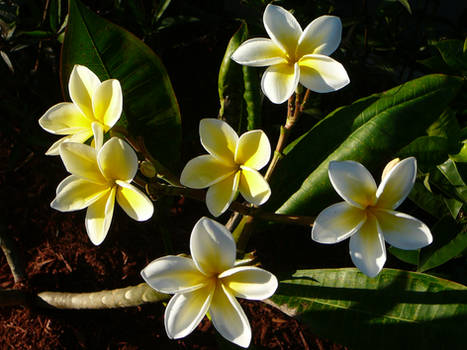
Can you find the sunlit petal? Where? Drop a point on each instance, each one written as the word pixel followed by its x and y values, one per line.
pixel 79 137
pixel 229 318
pixel 397 184
pixel 322 74
pixel 81 86
pixel 403 231
pixel 80 160
pixel 212 247
pixel 280 81
pixel 321 36
pixel 76 193
pixel 64 119
pixel 353 182
pixel 204 171
pixel 98 132
pixel 367 248
pixel 220 195
pixel 249 282
pixel 117 160
pixel 258 52
pixel 337 222
pixel 253 187
pixel 282 27
pixel 99 217
pixel 185 311
pixel 253 149
pixel 107 102
pixel 134 202
pixel 218 138
pixel 173 274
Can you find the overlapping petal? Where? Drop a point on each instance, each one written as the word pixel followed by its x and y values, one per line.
pixel 280 81
pixel 81 160
pixel 220 195
pixel 82 85
pixel 134 202
pixel 99 217
pixel 322 74
pixel 107 102
pixel 249 282
pixel 282 27
pixel 204 171
pixel 117 160
pixel 253 149
pixel 78 137
pixel 64 119
pixel 337 222
pixel 218 138
pixel 258 52
pixel 321 36
pixel 253 187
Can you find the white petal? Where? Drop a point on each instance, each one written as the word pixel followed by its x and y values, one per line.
pixel 173 274
pixel 229 318
pixel 258 52
pixel 134 202
pixel 249 282
pixel 79 137
pixel 397 184
pixel 81 86
pixel 107 102
pixel 322 74
pixel 218 138
pixel 367 248
pixel 280 81
pixel 337 222
pixel 64 119
pixel 204 171
pixel 98 132
pixel 117 160
pixel 353 182
pixel 99 217
pixel 65 182
pixel 212 247
pixel 253 187
pixel 321 36
pixel 253 149
pixel 220 195
pixel 282 28
pixel 185 311
pixel 403 231
pixel 80 160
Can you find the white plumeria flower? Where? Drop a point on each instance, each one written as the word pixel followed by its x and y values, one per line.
pixel 209 282
pixel 94 109
pixel 231 166
pixel 295 55
pixel 98 178
pixel 367 215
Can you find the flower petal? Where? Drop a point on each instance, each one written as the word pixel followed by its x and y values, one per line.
pixel 367 248
pixel 280 81
pixel 99 217
pixel 82 85
pixel 173 274
pixel 107 102
pixel 79 137
pixel 249 282
pixel 353 182
pixel 258 52
pixel 282 28
pixel 77 193
pixel 337 222
pixel 229 318
pixel 204 171
pixel 220 195
pixel 212 247
pixel 64 119
pixel 218 138
pixel 117 160
pixel 397 184
pixel 185 311
pixel 98 132
pixel 403 231
pixel 80 160
pixel 322 74
pixel 321 36
pixel 134 202
pixel 253 187
pixel 253 149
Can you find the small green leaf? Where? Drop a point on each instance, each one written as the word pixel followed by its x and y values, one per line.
pixel 406 4
pixel 252 97
pixel 407 256
pixel 452 52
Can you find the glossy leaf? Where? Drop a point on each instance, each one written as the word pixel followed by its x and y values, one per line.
pixel 252 97
pixel 149 104
pixel 429 151
pixel 430 202
pixel 395 310
pixel 407 256
pixel 452 52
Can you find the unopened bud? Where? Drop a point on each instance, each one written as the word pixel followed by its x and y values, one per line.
pixel 147 169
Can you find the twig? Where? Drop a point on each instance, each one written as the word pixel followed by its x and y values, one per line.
pixel 10 250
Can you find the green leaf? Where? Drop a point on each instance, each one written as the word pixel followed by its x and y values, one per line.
pixel 447 126
pixel 407 256
pixel 452 52
pixel 395 310
pixel 406 4
pixel 429 151
pixel 149 104
pixel 428 201
pixel 372 135
pixel 252 97
pixel 449 241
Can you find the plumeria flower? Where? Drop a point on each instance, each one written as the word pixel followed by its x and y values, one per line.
pixel 98 177
pixel 367 214
pixel 94 109
pixel 231 166
pixel 208 282
pixel 295 55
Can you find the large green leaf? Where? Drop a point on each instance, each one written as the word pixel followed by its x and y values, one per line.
pixel 371 135
pixel 149 104
pixel 395 310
